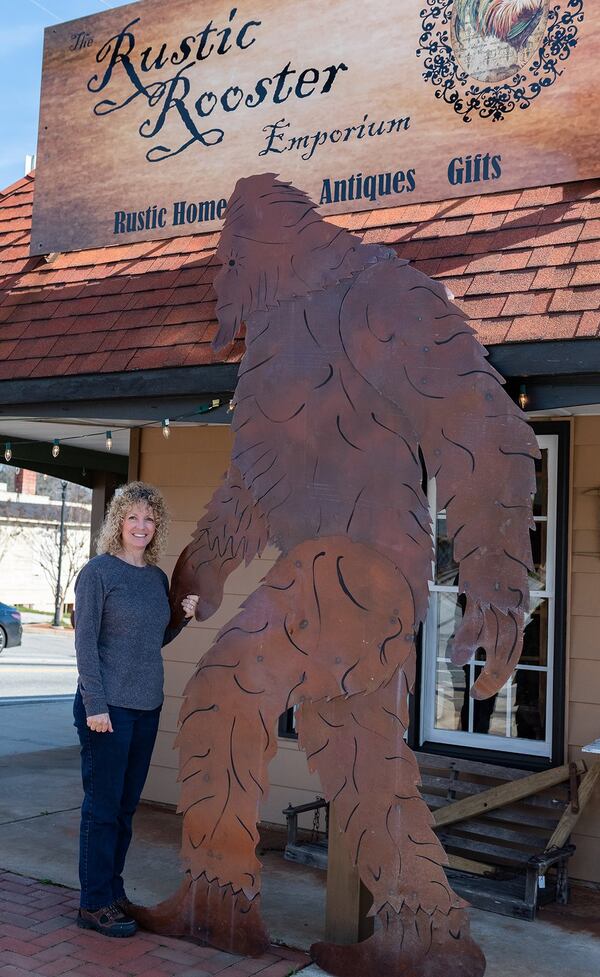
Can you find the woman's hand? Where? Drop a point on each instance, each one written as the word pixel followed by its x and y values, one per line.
pixel 100 723
pixel 189 604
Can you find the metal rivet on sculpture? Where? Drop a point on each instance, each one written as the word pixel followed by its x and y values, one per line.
pixel 358 370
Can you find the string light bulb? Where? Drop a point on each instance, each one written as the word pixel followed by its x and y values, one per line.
pixel 108 440
pixel 166 428
pixel 7 451
pixel 523 398
pixel 56 448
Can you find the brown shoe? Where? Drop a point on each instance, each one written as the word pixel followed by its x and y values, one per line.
pixel 110 921
pixel 124 905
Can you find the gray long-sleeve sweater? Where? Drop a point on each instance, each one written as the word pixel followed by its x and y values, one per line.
pixel 121 622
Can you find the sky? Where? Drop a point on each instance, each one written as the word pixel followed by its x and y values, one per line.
pixel 22 24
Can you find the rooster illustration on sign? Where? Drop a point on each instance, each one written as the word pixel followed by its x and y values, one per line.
pixel 511 21
pixel 495 38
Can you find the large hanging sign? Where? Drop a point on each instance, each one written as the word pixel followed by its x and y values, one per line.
pixel 150 112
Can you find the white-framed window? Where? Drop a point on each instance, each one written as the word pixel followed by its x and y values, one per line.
pixel 519 718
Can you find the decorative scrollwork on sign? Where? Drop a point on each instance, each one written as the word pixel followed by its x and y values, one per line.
pixel 493 100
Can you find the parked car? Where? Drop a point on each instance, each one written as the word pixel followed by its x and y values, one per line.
pixel 11 629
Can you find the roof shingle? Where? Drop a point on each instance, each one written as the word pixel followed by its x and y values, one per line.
pixel 524 265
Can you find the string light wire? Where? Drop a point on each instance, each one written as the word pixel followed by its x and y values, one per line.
pixel 165 424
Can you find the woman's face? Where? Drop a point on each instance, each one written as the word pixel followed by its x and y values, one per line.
pixel 139 526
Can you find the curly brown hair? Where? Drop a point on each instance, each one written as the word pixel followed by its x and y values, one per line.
pixel 109 538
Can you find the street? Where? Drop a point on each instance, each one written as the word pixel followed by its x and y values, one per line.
pixel 44 664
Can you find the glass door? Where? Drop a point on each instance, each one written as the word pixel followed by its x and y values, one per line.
pixel 517 719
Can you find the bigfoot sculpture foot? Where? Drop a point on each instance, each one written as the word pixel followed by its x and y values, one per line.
pixel 408 945
pixel 209 913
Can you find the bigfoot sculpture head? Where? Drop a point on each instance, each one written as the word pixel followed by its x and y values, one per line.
pixel 274 246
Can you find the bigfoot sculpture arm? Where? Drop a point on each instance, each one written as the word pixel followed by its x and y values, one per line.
pixel 417 350
pixel 233 529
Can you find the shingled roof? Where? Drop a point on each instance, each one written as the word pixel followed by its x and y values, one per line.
pixel 523 265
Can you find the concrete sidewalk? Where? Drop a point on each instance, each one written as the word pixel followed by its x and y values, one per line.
pixel 40 799
pixel 40 796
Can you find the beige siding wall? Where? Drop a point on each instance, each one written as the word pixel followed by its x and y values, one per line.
pixel 583 723
pixel 187 468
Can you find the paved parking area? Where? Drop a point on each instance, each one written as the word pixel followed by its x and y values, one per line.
pixel 43 665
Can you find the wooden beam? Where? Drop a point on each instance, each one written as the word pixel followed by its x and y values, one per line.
pixel 124 411
pixel 348 901
pixel 569 819
pixel 531 359
pixel 104 485
pixel 148 384
pixel 496 797
pixel 468 865
pixel 135 447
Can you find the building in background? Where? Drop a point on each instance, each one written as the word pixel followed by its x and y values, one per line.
pixel 29 541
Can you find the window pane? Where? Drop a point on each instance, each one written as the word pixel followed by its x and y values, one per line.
pixel 525 699
pixel 535 636
pixel 528 705
pixel 450 696
pixel 540 501
pixel 489 715
pixel 449 616
pixel 454 709
pixel 537 579
pixel 446 570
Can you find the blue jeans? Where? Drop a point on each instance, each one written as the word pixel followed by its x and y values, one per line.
pixel 114 767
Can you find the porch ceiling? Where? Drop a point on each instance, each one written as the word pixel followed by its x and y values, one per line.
pixel 89 433
pixel 584 410
pixel 31 445
pixel 78 433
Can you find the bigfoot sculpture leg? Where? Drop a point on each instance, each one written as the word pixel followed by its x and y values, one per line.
pixel 227 737
pixel 315 627
pixel 332 626
pixel 357 746
pixel 225 712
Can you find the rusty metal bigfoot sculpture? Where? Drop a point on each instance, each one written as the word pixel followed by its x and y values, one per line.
pixel 359 373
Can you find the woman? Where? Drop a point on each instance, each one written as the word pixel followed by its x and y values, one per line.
pixel 121 622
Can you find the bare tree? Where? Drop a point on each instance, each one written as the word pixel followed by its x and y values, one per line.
pixel 8 534
pixel 75 554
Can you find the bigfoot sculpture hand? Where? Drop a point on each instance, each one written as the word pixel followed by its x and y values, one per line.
pixel 358 372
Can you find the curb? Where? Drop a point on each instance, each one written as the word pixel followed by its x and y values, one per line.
pixel 46 663
pixel 31 700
